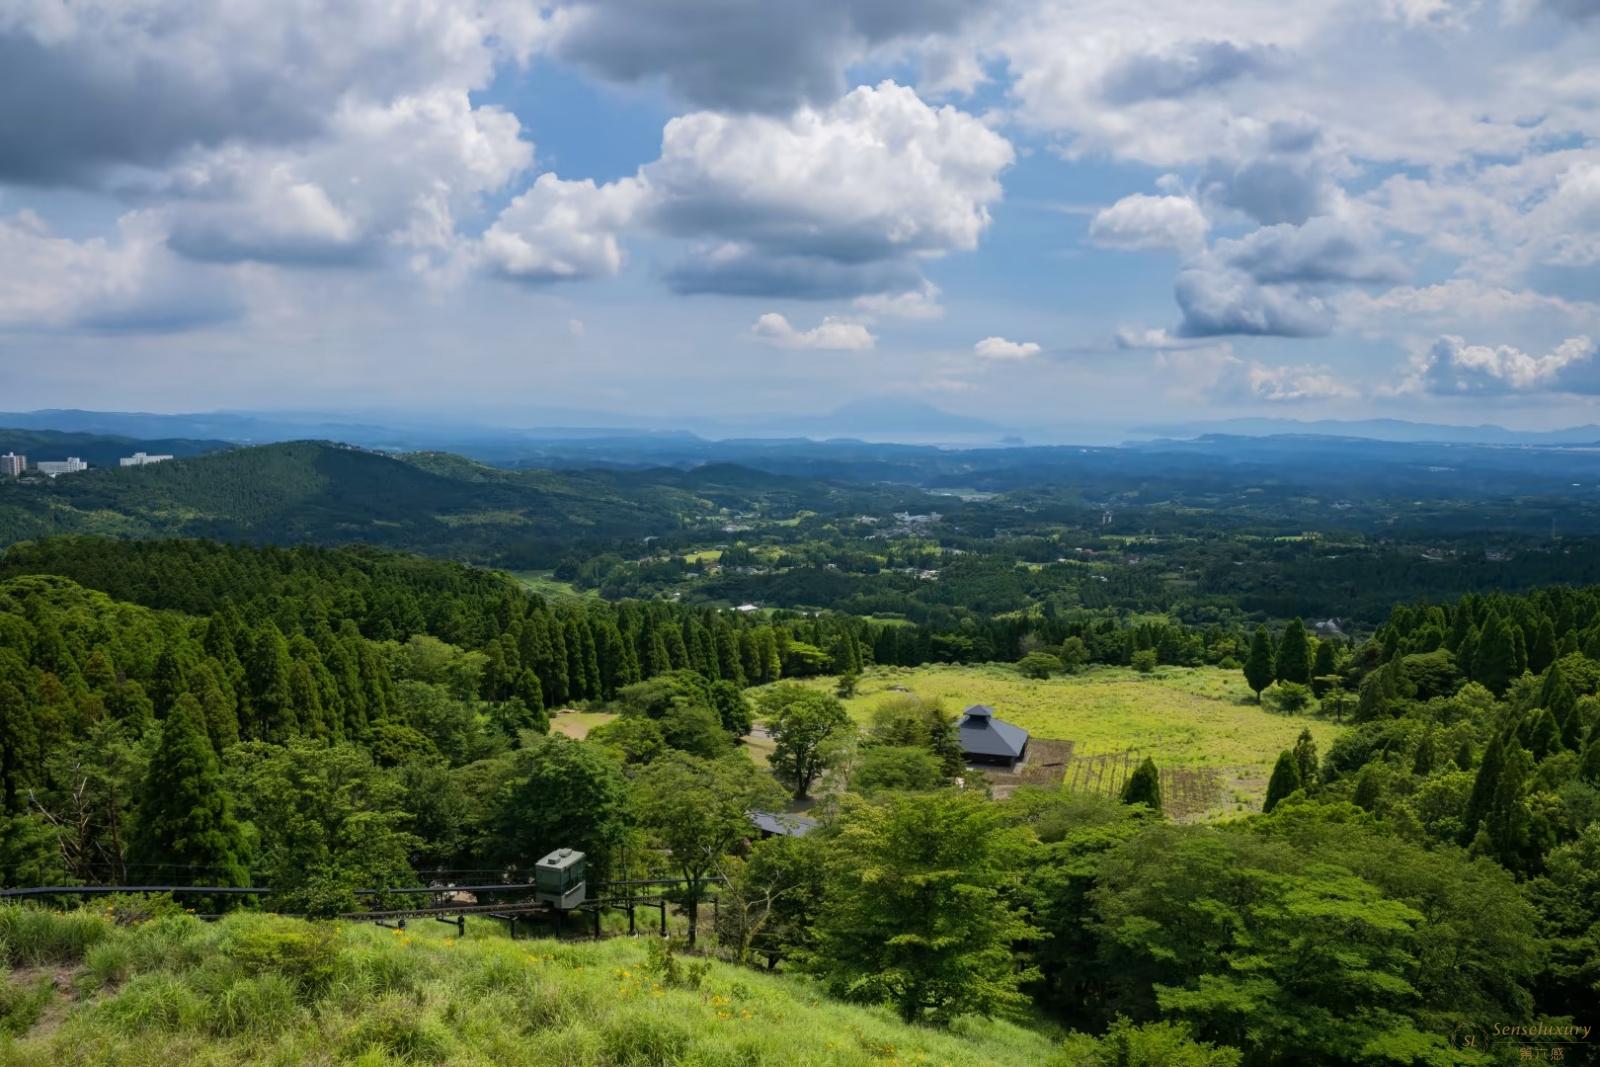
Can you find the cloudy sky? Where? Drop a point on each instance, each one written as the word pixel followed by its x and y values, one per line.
pixel 1038 211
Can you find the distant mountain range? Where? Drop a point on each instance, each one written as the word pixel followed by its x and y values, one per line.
pixel 877 419
pixel 1394 430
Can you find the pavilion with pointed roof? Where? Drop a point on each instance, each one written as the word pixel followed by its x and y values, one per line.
pixel 991 741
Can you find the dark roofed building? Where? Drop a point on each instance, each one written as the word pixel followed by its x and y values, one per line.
pixel 782 824
pixel 988 740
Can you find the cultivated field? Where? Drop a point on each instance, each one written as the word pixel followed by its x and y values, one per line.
pixel 1203 722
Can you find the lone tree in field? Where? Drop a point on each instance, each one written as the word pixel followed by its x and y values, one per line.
pixel 1258 665
pixel 1038 665
pixel 916 912
pixel 1144 786
pixel 807 727
pixel 1294 655
pixel 186 819
pixel 1285 780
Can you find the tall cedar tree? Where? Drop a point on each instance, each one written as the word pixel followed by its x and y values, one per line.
pixel 1285 780
pixel 1258 665
pixel 1487 782
pixel 1494 663
pixel 1324 668
pixel 1144 786
pixel 1293 663
pixel 1305 758
pixel 186 829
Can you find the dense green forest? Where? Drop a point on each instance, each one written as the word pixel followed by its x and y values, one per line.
pixel 321 720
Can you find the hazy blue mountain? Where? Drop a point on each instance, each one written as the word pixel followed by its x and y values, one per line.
pixel 1399 430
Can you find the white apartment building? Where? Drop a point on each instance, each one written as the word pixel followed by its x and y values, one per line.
pixel 141 459
pixel 12 464
pixel 53 467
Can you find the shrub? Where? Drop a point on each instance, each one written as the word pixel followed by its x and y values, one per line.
pixel 109 962
pixel 262 1006
pixel 304 953
pixel 646 1039
pixel 663 964
pixel 155 1002
pixel 395 1026
pixel 169 942
pixel 1039 665
pixel 1144 660
pixel 21 1004
pixel 31 936
pixel 1291 697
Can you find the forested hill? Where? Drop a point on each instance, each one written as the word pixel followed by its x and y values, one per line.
pixel 318 492
pixel 98 450
pixel 431 502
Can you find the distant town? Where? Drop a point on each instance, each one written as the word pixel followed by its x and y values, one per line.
pixel 14 466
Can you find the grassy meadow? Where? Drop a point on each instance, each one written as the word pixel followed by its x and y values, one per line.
pixel 1201 717
pixel 254 989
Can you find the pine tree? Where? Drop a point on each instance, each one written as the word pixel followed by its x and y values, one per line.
pixel 1494 661
pixel 1507 822
pixel 1293 662
pixel 1426 757
pixel 1484 786
pixel 1539 733
pixel 1144 786
pixel 1542 650
pixel 1369 788
pixel 1589 767
pixel 1258 665
pixel 1285 780
pixel 186 823
pixel 1305 758
pixel 1324 668
pixel 267 676
pixel 528 689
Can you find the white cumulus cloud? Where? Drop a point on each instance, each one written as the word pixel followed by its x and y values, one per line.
pixel 561 231
pixel 1452 367
pixel 831 334
pixel 1001 349
pixel 1140 223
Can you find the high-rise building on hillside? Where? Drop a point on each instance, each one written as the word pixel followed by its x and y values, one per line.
pixel 141 459
pixel 53 467
pixel 12 464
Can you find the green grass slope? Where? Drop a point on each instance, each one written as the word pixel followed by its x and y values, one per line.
pixel 256 989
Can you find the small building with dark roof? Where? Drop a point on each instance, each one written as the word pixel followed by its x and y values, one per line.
pixel 782 824
pixel 991 741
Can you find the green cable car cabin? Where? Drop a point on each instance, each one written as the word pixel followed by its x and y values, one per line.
pixel 558 879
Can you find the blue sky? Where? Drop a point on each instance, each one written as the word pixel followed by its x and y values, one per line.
pixel 1041 212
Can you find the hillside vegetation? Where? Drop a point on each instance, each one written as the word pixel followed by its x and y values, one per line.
pixel 256 989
